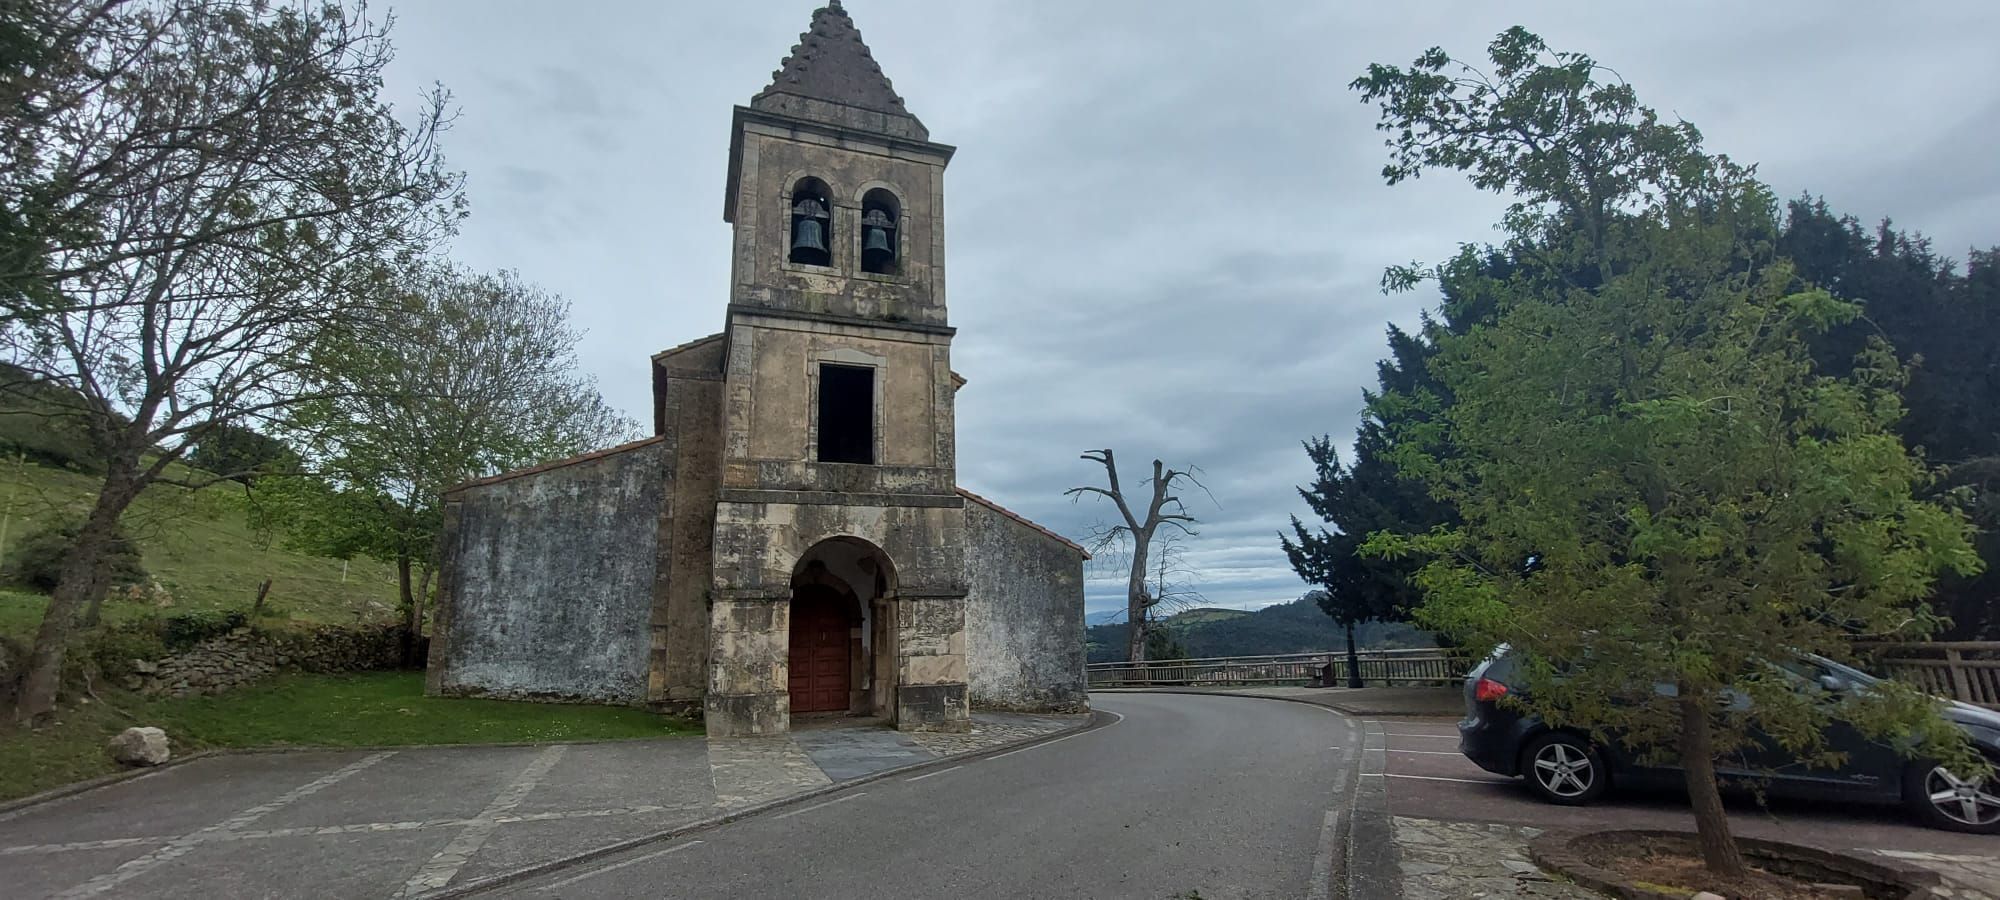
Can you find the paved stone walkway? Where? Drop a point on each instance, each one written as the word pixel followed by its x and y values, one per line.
pixel 1456 860
pixel 406 823
pixel 1450 860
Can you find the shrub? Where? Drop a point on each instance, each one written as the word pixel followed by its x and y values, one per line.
pixel 112 650
pixel 37 560
pixel 187 629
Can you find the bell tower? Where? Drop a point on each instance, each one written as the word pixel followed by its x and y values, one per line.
pixel 837 421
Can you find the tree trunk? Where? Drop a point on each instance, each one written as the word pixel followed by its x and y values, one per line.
pixel 406 601
pixel 80 586
pixel 1711 822
pixel 1353 660
pixel 1135 602
pixel 263 591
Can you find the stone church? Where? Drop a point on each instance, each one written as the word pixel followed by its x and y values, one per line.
pixel 792 540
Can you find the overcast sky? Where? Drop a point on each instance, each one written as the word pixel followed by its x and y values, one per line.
pixel 1166 219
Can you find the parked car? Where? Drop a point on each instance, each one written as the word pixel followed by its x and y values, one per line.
pixel 1567 767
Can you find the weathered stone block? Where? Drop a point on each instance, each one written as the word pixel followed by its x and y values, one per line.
pixel 747 715
pixel 932 707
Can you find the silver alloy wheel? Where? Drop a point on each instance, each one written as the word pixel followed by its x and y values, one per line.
pixel 1963 800
pixel 1563 770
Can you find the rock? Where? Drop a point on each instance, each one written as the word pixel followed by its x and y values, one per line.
pixel 1842 890
pixel 1706 895
pixel 140 747
pixel 145 667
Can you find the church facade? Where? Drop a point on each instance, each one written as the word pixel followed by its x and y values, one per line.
pixel 792 541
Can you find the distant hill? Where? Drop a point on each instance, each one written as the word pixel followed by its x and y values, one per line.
pixel 1296 627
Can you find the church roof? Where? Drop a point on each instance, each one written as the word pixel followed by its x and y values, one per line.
pixel 982 501
pixel 831 65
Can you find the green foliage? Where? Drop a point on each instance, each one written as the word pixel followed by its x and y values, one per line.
pixel 1295 627
pixel 1655 483
pixel 40 422
pixel 36 561
pixel 240 453
pixel 201 554
pixel 185 630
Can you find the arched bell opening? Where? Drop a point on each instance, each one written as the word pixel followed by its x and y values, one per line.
pixel 881 217
pixel 812 223
pixel 842 658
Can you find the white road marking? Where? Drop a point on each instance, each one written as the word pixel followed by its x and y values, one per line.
pixel 936 773
pixel 180 846
pixel 1321 886
pixel 1435 737
pixel 799 812
pixel 615 866
pixel 443 867
pixel 351 828
pixel 1434 778
pixel 1424 752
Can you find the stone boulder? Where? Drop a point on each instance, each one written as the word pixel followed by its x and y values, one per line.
pixel 140 747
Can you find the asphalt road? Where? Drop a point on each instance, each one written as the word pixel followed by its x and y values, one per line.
pixel 1209 797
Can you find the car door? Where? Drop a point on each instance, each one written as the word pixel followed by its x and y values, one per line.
pixel 1867 766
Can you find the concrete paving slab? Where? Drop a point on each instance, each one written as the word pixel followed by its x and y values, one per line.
pixel 420 783
pixel 171 802
pixel 360 864
pixel 648 773
pixel 45 875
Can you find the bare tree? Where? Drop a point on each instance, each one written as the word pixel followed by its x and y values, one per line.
pixel 220 188
pixel 1164 508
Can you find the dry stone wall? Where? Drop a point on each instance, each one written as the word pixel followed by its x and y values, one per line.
pixel 246 655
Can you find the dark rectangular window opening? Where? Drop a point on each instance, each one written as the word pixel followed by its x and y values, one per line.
pixel 847 414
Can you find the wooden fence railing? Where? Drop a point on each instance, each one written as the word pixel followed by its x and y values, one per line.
pixel 1418 666
pixel 1961 670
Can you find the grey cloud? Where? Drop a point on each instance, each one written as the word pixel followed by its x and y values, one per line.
pixel 1166 217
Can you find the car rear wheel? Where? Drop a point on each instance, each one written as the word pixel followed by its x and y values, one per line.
pixel 1563 768
pixel 1941 799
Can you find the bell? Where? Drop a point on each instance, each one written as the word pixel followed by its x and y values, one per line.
pixel 876 240
pixel 808 234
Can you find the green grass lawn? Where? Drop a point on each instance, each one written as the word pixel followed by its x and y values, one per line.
pixel 200 548
pixel 374 709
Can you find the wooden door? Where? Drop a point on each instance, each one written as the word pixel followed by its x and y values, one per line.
pixel 819 651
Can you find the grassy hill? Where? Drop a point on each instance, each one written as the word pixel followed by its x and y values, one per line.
pixel 198 548
pixel 1296 627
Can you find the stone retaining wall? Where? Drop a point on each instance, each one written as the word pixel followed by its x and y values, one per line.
pixel 246 655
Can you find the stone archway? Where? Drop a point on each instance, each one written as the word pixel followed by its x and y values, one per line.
pixel 841 655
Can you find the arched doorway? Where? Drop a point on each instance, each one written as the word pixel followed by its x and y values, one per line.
pixel 841 659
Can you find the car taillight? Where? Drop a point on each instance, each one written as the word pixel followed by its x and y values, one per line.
pixel 1487 690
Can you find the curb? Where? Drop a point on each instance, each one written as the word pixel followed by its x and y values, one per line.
pixel 1097 719
pixel 1359 713
pixel 19 804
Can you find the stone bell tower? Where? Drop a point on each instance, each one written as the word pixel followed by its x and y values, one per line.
pixel 838 581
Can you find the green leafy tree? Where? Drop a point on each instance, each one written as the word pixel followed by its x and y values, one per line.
pixel 240 454
pixel 208 188
pixel 1656 485
pixel 480 375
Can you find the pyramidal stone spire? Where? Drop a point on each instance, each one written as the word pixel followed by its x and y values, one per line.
pixel 830 76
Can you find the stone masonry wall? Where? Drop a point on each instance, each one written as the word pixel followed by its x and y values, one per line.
pixel 549 578
pixel 247 655
pixel 1023 616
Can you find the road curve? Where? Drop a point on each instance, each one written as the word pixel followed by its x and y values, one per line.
pixel 1185 796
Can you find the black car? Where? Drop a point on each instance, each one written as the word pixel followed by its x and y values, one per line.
pixel 1567 767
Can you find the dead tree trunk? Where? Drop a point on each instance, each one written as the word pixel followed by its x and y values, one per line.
pixel 1163 509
